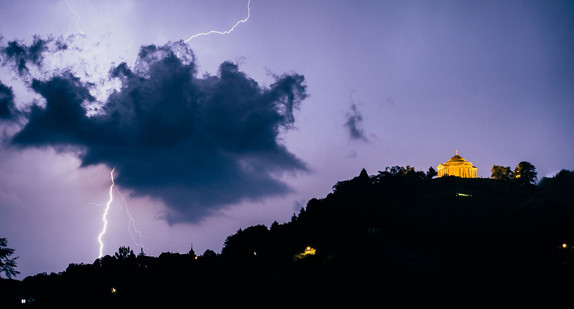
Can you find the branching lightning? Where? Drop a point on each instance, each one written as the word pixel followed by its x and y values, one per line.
pixel 132 229
pixel 105 215
pixel 131 223
pixel 227 31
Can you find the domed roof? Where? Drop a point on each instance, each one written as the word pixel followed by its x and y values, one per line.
pixel 457 158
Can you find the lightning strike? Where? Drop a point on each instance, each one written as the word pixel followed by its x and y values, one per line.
pixel 77 17
pixel 131 223
pixel 105 215
pixel 227 31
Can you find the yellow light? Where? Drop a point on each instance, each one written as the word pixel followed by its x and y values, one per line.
pixel 564 245
pixel 113 290
pixel 308 251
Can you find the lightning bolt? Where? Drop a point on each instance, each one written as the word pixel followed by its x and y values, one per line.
pixel 131 223
pixel 132 229
pixel 105 215
pixel 227 31
pixel 75 14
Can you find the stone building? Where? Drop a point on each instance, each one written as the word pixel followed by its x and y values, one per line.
pixel 457 166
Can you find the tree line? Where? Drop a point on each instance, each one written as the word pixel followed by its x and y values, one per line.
pixel 524 173
pixel 383 237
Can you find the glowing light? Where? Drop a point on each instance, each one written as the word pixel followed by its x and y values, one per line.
pixel 564 245
pixel 113 291
pixel 227 31
pixel 308 251
pixel 105 215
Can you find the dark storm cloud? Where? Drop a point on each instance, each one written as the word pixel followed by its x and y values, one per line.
pixel 20 55
pixel 63 120
pixel 7 109
pixel 353 124
pixel 196 143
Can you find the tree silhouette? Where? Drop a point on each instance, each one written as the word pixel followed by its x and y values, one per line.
pixel 525 173
pixel 500 172
pixel 7 264
pixel 397 227
pixel 560 187
pixel 124 253
pixel 209 254
pixel 431 173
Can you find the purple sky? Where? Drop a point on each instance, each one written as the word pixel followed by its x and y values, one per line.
pixel 493 79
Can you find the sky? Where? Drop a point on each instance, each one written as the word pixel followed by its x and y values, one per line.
pixel 228 131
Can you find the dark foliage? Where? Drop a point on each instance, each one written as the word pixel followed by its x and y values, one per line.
pixel 398 237
pixel 7 264
pixel 524 174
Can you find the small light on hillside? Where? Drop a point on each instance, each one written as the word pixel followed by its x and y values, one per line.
pixel 308 251
pixel 464 194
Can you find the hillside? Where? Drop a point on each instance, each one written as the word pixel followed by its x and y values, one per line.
pixel 398 236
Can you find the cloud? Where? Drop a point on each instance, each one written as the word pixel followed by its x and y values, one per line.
pixel 7 109
pixel 354 124
pixel 196 143
pixel 20 56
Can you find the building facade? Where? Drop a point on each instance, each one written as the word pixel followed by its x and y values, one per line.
pixel 457 166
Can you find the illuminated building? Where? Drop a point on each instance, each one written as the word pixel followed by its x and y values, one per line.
pixel 457 166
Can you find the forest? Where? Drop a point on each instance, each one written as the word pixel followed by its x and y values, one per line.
pixel 398 237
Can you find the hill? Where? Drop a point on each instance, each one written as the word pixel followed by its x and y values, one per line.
pixel 396 237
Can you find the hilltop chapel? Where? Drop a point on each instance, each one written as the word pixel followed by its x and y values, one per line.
pixel 457 166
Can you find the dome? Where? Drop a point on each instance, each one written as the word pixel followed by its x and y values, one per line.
pixel 457 158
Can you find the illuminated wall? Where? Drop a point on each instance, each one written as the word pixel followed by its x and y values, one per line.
pixel 457 166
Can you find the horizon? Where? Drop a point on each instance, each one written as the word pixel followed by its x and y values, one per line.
pixel 243 127
pixel 129 251
pixel 142 252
